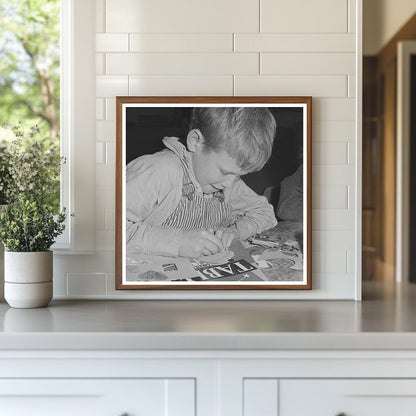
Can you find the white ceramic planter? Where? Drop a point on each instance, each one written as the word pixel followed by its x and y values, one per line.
pixel 1 271
pixel 28 278
pixel 2 211
pixel 28 295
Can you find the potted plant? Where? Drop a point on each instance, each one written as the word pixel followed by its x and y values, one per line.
pixel 32 219
pixel 5 179
pixel 28 228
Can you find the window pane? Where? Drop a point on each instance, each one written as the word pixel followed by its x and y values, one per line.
pixel 30 71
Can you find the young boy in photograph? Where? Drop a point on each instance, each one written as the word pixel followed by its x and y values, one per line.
pixel 190 201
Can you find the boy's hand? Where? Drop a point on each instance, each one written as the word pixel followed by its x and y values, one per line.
pixel 226 235
pixel 197 243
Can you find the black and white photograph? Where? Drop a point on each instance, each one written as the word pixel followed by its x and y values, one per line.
pixel 213 193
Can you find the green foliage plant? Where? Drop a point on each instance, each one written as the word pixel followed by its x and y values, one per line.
pixel 29 181
pixel 5 176
pixel 29 163
pixel 30 225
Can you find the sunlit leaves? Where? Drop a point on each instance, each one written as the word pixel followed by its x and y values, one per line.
pixel 30 63
pixel 29 224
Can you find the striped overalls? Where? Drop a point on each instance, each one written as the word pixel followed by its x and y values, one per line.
pixel 197 211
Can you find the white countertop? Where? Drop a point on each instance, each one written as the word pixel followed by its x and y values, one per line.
pixel 384 320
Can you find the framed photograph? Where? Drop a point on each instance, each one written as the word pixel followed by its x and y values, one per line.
pixel 213 193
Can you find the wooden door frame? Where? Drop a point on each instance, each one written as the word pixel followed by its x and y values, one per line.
pixel 404 50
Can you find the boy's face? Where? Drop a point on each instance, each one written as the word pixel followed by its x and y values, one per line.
pixel 214 170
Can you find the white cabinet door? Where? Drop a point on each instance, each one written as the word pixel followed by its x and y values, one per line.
pixel 86 397
pixel 347 397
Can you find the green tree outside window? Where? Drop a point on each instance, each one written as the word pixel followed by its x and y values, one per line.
pixel 30 62
pixel 30 69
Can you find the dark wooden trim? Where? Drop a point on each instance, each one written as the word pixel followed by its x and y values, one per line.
pixel 119 191
pixel 406 32
pixel 384 113
pixel 309 194
pixel 120 101
pixel 412 173
pixel 214 100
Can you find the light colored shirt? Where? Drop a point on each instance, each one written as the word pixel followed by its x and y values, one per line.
pixel 290 206
pixel 154 190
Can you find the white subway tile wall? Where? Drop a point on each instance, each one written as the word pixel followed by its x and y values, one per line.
pixel 110 153
pixel 111 86
pixel 100 109
pixel 86 284
pixel 182 16
pixel 351 86
pixel 330 197
pixel 181 42
pixel 100 64
pixel 100 153
pixel 224 48
pixel 317 63
pixel 330 153
pixel 300 16
pixel 182 63
pixel 352 15
pixel 112 42
pixel 337 263
pixel 181 85
pixel 333 175
pixel 330 109
pixel 314 85
pixel 110 109
pixel 332 220
pixel 276 42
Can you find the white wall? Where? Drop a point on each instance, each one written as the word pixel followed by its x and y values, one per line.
pixel 381 20
pixel 234 47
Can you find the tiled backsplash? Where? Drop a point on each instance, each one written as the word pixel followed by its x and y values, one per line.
pixel 232 47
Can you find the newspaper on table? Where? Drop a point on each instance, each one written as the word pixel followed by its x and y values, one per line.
pixel 234 264
pixel 265 257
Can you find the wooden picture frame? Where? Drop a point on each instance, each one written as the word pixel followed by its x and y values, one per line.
pixel 279 258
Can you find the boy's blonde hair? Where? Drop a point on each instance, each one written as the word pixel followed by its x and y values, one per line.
pixel 245 133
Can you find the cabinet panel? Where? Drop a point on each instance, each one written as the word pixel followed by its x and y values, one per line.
pixel 349 397
pixel 181 397
pixel 260 397
pixel 86 397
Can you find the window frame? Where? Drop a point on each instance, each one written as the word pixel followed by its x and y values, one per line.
pixel 78 126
